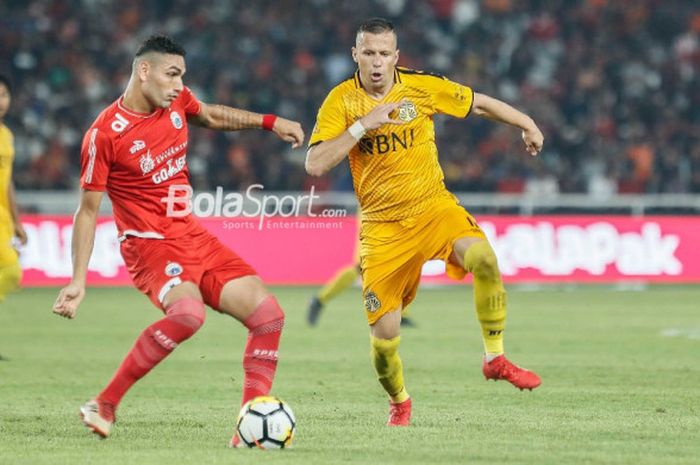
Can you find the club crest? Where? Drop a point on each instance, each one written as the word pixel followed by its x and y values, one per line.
pixel 407 112
pixel 372 303
pixel 176 119
pixel 173 269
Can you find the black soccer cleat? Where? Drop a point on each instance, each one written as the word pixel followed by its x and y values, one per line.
pixel 315 307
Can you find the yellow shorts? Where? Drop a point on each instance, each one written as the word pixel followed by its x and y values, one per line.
pixel 392 254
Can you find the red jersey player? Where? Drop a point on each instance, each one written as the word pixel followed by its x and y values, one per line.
pixel 135 150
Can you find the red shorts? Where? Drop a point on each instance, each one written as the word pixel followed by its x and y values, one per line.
pixel 157 265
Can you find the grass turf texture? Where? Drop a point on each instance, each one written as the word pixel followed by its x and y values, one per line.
pixel 621 382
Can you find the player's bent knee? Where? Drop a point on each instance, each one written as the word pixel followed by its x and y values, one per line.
pixel 486 267
pixel 241 297
pixel 267 316
pixel 385 347
pixel 481 261
pixel 188 312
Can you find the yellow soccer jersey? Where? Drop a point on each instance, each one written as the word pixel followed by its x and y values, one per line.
pixel 395 168
pixel 7 155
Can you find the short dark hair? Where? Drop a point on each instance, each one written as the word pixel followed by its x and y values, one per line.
pixel 160 43
pixel 376 26
pixel 5 81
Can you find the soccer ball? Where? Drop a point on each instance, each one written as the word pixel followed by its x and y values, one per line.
pixel 266 422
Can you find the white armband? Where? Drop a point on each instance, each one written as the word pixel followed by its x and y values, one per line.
pixel 357 130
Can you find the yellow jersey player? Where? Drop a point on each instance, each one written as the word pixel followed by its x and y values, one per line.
pixel 10 272
pixel 382 120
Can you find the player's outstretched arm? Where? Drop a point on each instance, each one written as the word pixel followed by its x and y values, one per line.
pixel 497 110
pixel 224 118
pixel 325 156
pixel 83 240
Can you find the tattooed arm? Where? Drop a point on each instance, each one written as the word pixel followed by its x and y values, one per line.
pixel 223 118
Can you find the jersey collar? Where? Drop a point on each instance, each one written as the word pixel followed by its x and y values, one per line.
pixel 132 112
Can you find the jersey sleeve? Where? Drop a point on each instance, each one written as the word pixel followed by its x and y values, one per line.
pixel 449 97
pixel 330 122
pixel 96 157
pixel 190 102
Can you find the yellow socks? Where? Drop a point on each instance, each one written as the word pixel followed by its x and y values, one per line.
pixel 387 364
pixel 489 295
pixel 338 284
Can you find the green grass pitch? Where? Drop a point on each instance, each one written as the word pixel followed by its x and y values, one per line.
pixel 620 370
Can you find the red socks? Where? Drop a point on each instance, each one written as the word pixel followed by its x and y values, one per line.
pixel 182 319
pixel 260 356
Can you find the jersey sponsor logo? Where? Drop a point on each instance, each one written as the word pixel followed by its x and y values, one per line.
pixel 372 302
pixel 171 151
pixel 382 143
pixel 120 123
pixel 176 119
pixel 407 111
pixel 167 172
pixel 173 269
pixel 147 163
pixel 137 146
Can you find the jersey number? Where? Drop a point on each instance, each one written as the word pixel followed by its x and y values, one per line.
pixel 120 123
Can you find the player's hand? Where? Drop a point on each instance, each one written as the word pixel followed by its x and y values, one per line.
pixel 533 139
pixel 21 234
pixel 379 116
pixel 68 300
pixel 289 131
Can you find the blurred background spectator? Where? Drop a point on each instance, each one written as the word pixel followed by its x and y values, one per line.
pixel 614 85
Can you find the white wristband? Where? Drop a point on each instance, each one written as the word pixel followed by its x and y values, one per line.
pixel 357 130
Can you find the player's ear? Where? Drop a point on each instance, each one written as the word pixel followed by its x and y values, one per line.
pixel 142 69
pixel 354 54
pixel 396 57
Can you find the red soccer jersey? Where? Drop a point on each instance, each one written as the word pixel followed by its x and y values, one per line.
pixel 135 158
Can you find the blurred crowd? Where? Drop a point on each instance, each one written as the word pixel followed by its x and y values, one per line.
pixel 613 84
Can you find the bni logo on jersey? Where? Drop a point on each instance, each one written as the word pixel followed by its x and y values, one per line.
pixel 176 119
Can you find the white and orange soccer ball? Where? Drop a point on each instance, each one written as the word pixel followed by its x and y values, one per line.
pixel 266 422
